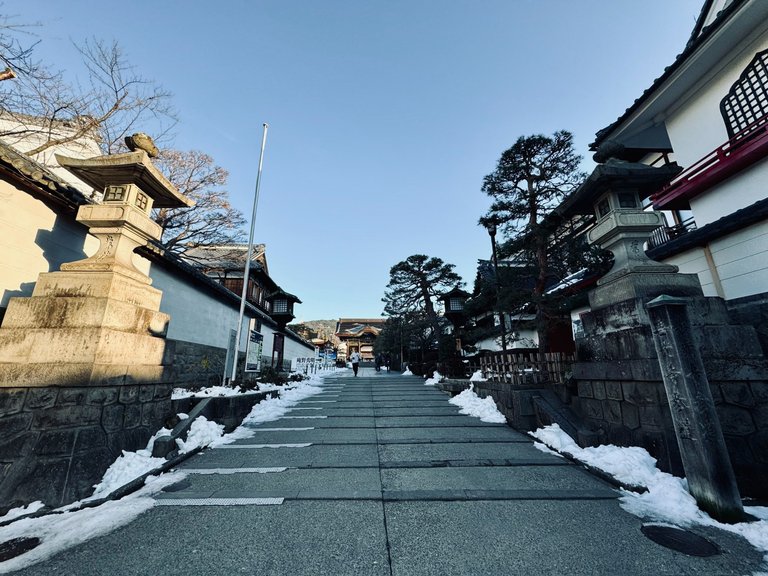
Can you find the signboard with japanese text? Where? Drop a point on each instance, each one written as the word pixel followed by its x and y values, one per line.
pixel 253 353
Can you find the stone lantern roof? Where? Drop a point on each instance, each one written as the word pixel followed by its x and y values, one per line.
pixel 132 167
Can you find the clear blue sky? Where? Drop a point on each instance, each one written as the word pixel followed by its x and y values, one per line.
pixel 384 115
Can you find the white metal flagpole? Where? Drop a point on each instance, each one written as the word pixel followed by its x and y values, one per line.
pixel 247 270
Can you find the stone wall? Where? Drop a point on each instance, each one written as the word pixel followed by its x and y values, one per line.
pixel 620 392
pixel 56 443
pixel 195 365
pixel 752 310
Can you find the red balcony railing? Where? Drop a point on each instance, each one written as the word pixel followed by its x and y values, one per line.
pixel 744 149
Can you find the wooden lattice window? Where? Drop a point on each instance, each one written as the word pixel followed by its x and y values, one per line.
pixel 747 101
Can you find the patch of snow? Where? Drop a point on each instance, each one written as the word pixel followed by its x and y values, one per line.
pixel 483 408
pixel 30 508
pixel 407 372
pixel 667 499
pixel 274 408
pixel 127 467
pixel 75 525
pixel 477 376
pixel 203 432
pixel 436 377
pixel 211 391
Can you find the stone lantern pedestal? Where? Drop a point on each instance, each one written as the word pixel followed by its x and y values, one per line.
pixel 81 360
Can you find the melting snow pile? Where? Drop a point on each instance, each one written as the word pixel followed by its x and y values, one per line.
pixel 667 499
pixel 483 408
pixel 477 376
pixel 407 372
pixel 436 377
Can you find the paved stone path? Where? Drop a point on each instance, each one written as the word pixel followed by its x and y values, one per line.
pixel 382 476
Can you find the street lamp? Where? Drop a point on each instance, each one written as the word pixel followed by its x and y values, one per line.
pixel 490 225
pixel 281 306
pixel 454 301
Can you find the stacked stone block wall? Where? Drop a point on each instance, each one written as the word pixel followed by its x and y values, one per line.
pixel 56 443
pixel 620 391
pixel 198 365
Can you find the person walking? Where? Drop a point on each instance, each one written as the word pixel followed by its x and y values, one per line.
pixel 379 361
pixel 355 359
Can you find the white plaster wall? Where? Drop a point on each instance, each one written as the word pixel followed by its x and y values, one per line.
pixel 742 261
pixel 35 239
pixel 694 262
pixel 295 349
pixel 740 191
pixel 203 318
pixel 696 127
pixel 196 316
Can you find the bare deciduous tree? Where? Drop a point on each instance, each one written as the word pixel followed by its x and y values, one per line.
pixel 212 220
pixel 40 106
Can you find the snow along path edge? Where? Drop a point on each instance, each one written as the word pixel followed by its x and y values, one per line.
pixel 128 488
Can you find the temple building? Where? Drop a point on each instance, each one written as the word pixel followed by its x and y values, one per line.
pixel 358 335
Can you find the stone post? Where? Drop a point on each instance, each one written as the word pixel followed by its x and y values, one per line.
pixel 702 448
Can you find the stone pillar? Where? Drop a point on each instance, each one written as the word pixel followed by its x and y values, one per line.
pixel 702 448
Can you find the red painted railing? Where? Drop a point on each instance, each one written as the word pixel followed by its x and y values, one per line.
pixel 747 147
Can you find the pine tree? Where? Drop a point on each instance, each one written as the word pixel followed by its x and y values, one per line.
pixel 530 179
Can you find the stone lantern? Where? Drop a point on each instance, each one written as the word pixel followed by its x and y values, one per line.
pixel 281 306
pixel 613 194
pixel 87 350
pixel 132 186
pixel 97 320
pixel 454 301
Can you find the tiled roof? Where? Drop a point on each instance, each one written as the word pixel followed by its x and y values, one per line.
pixel 35 173
pixel 694 42
pixel 224 257
pixel 355 326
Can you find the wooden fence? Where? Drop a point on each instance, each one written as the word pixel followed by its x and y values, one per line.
pixel 526 368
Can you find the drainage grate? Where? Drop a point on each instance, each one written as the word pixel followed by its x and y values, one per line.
pixel 680 540
pixel 17 547
pixel 220 502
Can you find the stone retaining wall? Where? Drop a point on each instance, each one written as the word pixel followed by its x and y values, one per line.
pixel 621 395
pixel 56 443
